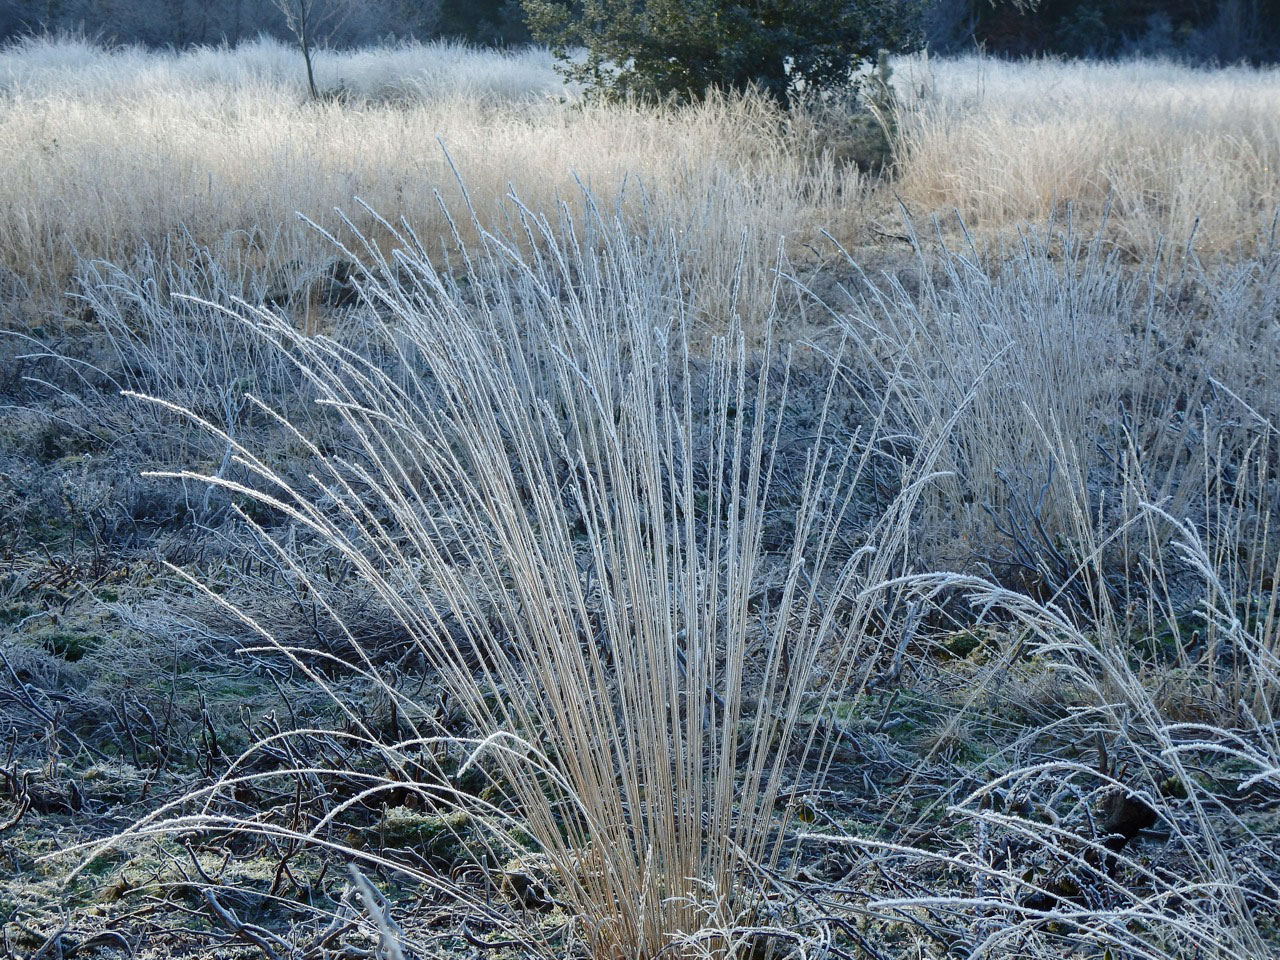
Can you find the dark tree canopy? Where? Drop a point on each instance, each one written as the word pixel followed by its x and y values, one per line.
pixel 498 23
pixel 686 47
pixel 1196 30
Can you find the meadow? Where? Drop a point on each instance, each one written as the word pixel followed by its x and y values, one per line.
pixel 457 516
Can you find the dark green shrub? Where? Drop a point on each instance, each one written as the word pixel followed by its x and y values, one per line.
pixel 860 125
pixel 684 48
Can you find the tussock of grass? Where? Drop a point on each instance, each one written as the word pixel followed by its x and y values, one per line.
pixel 564 509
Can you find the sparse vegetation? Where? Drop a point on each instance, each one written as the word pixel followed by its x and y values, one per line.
pixel 636 531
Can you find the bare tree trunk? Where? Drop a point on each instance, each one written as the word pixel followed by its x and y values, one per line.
pixel 304 39
pixel 302 17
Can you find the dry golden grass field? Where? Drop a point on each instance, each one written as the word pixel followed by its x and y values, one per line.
pixel 461 517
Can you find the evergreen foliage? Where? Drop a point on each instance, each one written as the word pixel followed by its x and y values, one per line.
pixel 684 48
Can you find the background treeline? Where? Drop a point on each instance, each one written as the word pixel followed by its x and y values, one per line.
pixel 1195 30
pixel 1225 31
pixel 184 23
